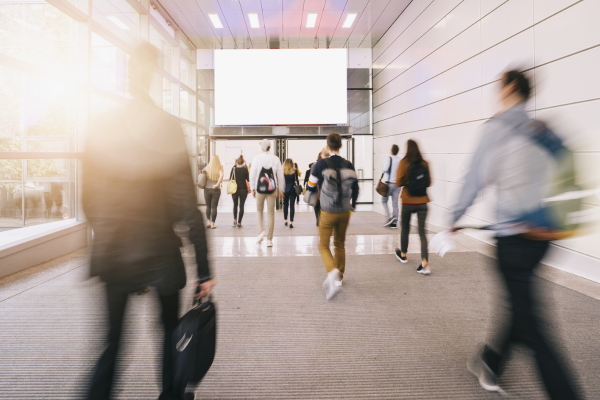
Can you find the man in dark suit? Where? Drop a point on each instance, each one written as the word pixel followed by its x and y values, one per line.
pixel 137 184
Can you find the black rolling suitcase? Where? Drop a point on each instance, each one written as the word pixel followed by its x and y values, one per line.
pixel 194 342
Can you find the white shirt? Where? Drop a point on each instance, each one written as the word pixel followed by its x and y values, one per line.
pixel 267 160
pixel 386 165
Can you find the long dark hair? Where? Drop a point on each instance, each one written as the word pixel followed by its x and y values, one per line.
pixel 413 155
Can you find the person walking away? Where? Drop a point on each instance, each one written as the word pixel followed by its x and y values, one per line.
pixel 509 158
pixel 336 180
pixel 289 195
pixel 266 182
pixel 414 177
pixel 136 186
pixel 212 192
pixel 390 168
pixel 240 173
pixel 323 154
pixel 299 175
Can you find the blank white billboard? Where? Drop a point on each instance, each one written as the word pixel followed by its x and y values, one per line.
pixel 280 87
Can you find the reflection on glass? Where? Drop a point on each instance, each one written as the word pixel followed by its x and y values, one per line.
pixel 184 71
pixel 109 66
pixel 11 204
pixel 47 202
pixel 165 47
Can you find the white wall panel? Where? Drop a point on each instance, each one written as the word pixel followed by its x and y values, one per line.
pixel 439 99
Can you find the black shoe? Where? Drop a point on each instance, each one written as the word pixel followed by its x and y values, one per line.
pixel 400 257
pixel 392 226
pixel 285 223
pixel 291 226
pixel 420 268
pixel 389 222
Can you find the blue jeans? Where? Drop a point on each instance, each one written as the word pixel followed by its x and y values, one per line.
pixel 393 192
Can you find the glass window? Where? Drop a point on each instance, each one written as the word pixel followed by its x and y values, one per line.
pixel 11 201
pixel 185 72
pixel 185 109
pixel 167 96
pixel 184 47
pixel 40 34
pixel 47 202
pixel 109 66
pixel 165 47
pixel 119 18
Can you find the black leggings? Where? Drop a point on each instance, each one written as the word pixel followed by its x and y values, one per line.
pixel 289 201
pixel 242 197
pixel 211 197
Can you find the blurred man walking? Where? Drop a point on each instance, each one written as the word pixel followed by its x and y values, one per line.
pixel 137 184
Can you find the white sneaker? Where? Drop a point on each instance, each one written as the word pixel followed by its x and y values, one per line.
pixel 260 237
pixel 338 283
pixel 269 243
pixel 329 285
pixel 424 270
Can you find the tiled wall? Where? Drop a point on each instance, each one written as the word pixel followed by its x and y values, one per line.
pixel 435 79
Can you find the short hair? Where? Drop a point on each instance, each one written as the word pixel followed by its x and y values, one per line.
pixel 521 82
pixel 334 141
pixel 395 149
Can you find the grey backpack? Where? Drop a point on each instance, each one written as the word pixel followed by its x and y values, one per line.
pixel 336 191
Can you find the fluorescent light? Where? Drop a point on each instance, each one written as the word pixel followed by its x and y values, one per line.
pixel 215 20
pixel 349 20
pixel 253 17
pixel 311 20
pixel 118 22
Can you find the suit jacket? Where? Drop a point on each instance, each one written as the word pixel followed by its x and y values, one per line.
pixel 137 185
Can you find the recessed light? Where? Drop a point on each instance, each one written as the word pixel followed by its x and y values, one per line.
pixel 118 22
pixel 311 20
pixel 253 17
pixel 214 17
pixel 349 20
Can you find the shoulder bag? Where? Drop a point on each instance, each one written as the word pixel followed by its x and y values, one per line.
pixel 382 188
pixel 232 185
pixel 201 180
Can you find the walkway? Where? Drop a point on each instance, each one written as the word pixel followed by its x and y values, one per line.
pixel 390 333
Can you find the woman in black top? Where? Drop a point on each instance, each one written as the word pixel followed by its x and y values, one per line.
pixel 240 172
pixel 289 194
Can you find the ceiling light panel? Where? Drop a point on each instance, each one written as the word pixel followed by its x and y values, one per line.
pixel 311 19
pixel 216 21
pixel 115 20
pixel 349 20
pixel 254 22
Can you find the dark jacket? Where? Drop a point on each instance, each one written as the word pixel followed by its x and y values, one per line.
pixel 241 176
pixel 137 185
pixel 290 181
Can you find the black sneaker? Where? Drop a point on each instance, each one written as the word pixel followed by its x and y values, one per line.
pixel 285 223
pixel 399 256
pixel 392 226
pixel 389 222
pixel 291 226
pixel 420 268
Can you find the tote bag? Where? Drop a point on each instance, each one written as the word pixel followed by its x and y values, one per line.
pixel 232 185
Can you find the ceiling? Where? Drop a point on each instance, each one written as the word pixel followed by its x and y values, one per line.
pixel 283 22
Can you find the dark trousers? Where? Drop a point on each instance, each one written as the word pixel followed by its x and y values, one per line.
pixel 317 211
pixel 407 211
pixel 102 380
pixel 242 201
pixel 289 200
pixel 211 198
pixel 517 259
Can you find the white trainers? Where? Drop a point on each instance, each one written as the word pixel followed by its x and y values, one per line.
pixel 269 243
pixel 424 269
pixel 260 237
pixel 338 283
pixel 331 289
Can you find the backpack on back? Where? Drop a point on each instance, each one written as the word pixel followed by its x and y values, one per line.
pixel 266 181
pixel 336 191
pixel 418 180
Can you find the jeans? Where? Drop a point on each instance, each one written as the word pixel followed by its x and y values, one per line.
pixel 289 200
pixel 407 210
pixel 260 205
pixel 242 201
pixel 517 259
pixel 335 223
pixel 393 192
pixel 211 197
pixel 103 377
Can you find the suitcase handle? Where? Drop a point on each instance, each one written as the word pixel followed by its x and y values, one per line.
pixel 199 302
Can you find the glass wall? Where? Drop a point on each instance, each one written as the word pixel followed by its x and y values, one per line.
pixel 51 92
